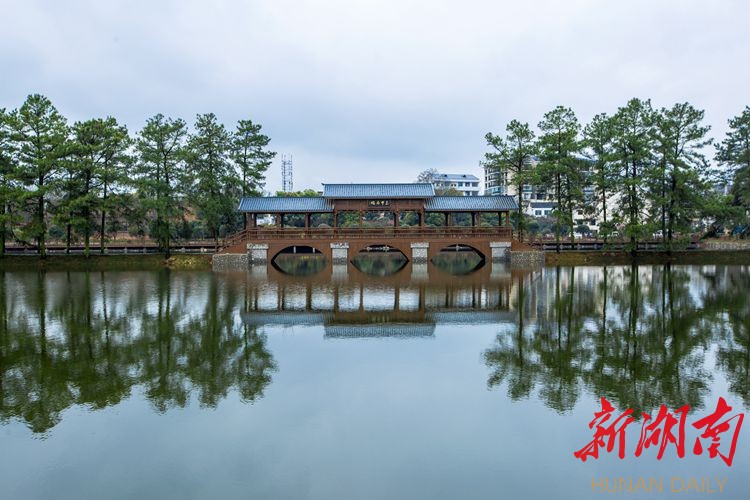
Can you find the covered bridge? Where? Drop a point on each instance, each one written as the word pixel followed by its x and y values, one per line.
pixel 339 199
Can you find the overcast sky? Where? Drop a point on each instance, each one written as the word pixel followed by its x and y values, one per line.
pixel 374 90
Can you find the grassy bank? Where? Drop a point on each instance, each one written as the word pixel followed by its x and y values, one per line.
pixel 624 258
pixel 147 262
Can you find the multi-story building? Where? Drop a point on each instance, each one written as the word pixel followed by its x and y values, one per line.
pixel 494 182
pixel 467 184
pixel 539 201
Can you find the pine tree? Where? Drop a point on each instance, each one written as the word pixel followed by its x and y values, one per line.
pixel 679 189
pixel 100 151
pixel 214 179
pixel 512 158
pixel 597 137
pixel 160 174
pixel 8 192
pixel 40 134
pixel 633 159
pixel 250 155
pixel 68 192
pixel 559 168
pixel 114 163
pixel 734 154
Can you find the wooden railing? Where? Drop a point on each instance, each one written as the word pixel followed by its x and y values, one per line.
pixel 236 238
pixel 369 232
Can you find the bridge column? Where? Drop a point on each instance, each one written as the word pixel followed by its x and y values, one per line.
pixel 500 251
pixel 257 259
pixel 339 261
pixel 340 253
pixel 257 253
pixel 419 252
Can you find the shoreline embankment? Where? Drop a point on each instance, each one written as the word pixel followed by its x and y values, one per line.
pixel 137 262
pixel 202 262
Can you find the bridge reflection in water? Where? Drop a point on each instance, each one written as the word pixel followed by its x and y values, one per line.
pixel 393 306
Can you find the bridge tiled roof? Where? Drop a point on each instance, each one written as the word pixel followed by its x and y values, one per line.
pixel 380 330
pixel 378 191
pixel 324 204
pixel 285 204
pixel 470 203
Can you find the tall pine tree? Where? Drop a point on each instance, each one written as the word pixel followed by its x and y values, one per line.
pixel 597 137
pixel 560 168
pixel 214 179
pixel 512 159
pixel 100 147
pixel 8 192
pixel 40 133
pixel 251 157
pixel 633 159
pixel 679 190
pixel 160 175
pixel 734 154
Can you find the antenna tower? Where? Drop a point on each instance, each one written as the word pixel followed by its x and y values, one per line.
pixel 287 185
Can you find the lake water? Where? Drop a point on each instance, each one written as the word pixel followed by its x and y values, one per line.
pixel 413 385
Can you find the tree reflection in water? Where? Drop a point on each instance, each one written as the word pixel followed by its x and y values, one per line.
pixel 90 338
pixel 640 336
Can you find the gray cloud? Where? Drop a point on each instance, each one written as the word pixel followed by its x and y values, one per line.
pixel 373 90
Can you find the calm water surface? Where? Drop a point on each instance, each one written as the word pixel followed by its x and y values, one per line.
pixel 413 385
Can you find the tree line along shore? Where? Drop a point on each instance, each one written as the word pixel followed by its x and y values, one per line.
pixel 640 171
pixel 90 179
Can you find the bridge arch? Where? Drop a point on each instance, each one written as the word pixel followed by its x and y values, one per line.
pixel 381 260
pixel 359 247
pixel 301 249
pixel 299 260
pixel 460 247
pixel 458 258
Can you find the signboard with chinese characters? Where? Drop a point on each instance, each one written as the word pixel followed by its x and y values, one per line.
pixel 378 203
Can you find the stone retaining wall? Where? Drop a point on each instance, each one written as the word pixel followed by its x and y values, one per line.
pixel 726 245
pixel 229 262
pixel 526 259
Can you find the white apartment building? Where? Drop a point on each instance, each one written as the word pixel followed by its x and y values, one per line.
pixel 468 184
pixel 537 200
pixel 494 182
